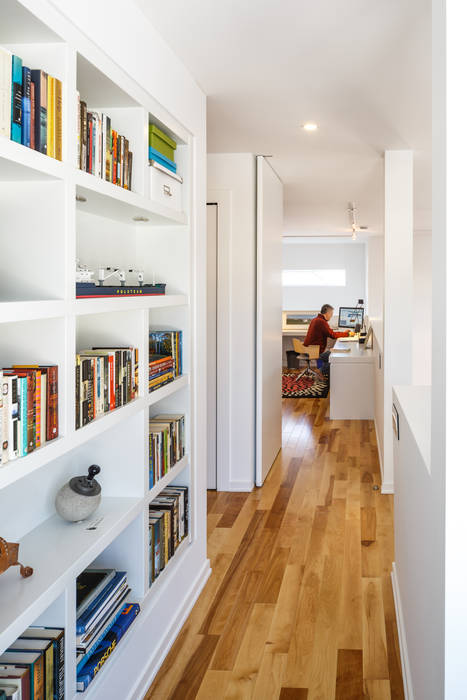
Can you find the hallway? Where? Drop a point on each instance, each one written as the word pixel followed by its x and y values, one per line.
pixel 299 604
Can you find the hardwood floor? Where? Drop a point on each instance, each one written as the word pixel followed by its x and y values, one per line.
pixel 299 604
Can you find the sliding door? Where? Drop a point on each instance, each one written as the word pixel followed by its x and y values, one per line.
pixel 269 318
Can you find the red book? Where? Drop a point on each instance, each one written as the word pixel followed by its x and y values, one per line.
pixel 111 382
pixel 33 116
pixel 114 157
pixel 49 374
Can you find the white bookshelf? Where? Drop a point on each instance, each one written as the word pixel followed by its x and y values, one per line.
pixel 53 213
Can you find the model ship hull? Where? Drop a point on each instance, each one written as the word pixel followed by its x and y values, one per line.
pixel 88 290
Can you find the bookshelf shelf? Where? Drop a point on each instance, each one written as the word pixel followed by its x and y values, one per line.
pixel 58 551
pixel 46 226
pixel 108 200
pixel 167 390
pixel 165 481
pixel 20 163
pixel 15 311
pixel 97 306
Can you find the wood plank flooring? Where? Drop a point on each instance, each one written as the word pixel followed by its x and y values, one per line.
pixel 299 605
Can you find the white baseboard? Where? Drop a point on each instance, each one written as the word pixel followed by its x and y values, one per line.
pixel 161 651
pixel 380 454
pixel 387 487
pixel 408 688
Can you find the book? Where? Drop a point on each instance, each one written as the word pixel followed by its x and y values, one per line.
pixel 33 661
pixel 9 692
pixel 16 97
pixel 26 108
pixel 57 118
pixel 50 117
pixel 5 92
pixel 39 79
pixel 84 653
pixel 89 584
pixel 94 609
pixel 32 133
pixel 107 645
pixel 57 637
pixel 163 160
pixel 44 647
pixel 17 677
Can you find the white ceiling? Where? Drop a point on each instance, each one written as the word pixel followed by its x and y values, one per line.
pixel 361 69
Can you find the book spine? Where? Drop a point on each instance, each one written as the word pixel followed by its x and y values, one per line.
pixel 16 97
pixel 6 399
pixel 5 92
pixel 49 673
pixel 108 149
pixel 78 130
pixel 39 80
pixel 83 138
pixel 13 422
pixel 30 422
pixel 58 118
pixel 43 431
pixel 32 135
pixel 37 408
pixel 93 143
pixel 52 402
pixel 26 108
pixel 89 143
pixel 59 662
pixel 114 157
pixel 50 117
pixel 130 169
pixel 77 392
pixel 37 679
pixel 94 646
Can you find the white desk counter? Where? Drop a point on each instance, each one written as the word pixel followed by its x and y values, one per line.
pixel 352 381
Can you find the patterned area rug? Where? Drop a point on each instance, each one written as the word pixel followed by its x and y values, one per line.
pixel 304 388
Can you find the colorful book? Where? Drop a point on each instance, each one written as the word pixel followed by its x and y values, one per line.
pixel 50 117
pixel 32 132
pixel 17 677
pixel 39 79
pixel 26 108
pixel 89 585
pixel 57 637
pixel 107 645
pixel 44 647
pixel 57 118
pixel 34 662
pixel 16 97
pixel 92 612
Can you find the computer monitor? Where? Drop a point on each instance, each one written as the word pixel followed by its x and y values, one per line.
pixel 350 316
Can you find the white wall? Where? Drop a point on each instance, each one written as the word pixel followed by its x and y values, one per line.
pixel 322 256
pixel 421 347
pixel 375 277
pixel 232 183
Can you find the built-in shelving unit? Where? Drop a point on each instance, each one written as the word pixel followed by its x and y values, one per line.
pixel 53 213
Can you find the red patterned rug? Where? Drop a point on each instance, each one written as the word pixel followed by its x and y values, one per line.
pixel 304 388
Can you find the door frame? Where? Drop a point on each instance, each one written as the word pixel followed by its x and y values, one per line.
pixel 223 199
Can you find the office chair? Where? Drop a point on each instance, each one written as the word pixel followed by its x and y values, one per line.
pixel 308 355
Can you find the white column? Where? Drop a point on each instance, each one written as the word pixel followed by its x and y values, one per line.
pixel 398 290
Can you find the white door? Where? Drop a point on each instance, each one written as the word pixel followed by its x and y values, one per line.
pixel 268 318
pixel 212 346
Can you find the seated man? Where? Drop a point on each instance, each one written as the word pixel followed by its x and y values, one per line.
pixel 319 331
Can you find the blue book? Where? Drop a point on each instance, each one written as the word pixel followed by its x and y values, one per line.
pixel 106 629
pixel 163 160
pixel 16 97
pixel 23 416
pixel 26 108
pixel 106 646
pixel 95 607
pixel 39 78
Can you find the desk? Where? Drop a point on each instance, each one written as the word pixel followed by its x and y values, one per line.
pixel 352 380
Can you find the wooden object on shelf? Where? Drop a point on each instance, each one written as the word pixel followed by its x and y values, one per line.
pixel 9 557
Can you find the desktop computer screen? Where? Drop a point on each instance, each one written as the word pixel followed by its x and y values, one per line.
pixel 349 317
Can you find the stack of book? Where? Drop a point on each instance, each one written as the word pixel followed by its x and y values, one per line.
pixel 168 526
pixel 168 344
pixel 166 444
pixel 30 106
pixel 161 371
pixel 102 618
pixel 101 151
pixel 106 378
pixel 28 409
pixel 162 148
pixel 33 668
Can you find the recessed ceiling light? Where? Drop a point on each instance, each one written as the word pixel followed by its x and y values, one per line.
pixel 310 126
